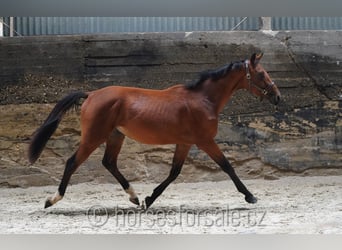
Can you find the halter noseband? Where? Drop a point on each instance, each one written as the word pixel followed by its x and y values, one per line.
pixel 263 91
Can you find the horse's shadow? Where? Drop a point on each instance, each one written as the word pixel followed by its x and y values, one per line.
pixel 99 210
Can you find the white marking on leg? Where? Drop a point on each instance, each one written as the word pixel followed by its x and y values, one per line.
pixel 57 197
pixel 131 192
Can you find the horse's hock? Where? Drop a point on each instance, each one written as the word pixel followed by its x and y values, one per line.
pixel 302 136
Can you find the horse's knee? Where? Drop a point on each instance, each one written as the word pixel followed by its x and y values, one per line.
pixel 70 162
pixel 106 162
pixel 174 174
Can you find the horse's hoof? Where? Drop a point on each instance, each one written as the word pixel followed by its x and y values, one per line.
pixel 148 202
pixel 48 204
pixel 251 199
pixel 135 201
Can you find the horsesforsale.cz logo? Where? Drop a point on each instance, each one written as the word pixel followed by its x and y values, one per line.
pixel 97 215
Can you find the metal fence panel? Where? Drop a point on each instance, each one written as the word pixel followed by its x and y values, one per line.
pixel 30 26
pixel 306 23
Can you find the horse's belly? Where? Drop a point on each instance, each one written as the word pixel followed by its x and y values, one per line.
pixel 158 135
pixel 148 135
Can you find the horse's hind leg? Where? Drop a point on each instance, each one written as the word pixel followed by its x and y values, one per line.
pixel 215 153
pixel 177 163
pixel 72 164
pixel 113 147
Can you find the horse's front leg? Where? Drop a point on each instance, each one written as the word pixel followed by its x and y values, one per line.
pixel 177 163
pixel 212 149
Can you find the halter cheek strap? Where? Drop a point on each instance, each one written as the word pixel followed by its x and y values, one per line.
pixel 263 91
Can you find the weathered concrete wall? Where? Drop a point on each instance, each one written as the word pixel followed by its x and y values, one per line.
pixel 304 134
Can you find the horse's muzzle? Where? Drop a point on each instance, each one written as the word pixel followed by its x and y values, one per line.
pixel 275 99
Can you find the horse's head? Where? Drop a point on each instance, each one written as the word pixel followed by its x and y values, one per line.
pixel 259 82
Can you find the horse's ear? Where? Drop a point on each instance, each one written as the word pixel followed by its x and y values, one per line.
pixel 255 58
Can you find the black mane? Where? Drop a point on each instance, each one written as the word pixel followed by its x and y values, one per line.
pixel 214 74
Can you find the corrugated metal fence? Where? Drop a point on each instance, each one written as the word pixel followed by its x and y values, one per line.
pixel 306 23
pixel 28 26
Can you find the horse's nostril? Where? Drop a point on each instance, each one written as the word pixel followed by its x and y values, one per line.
pixel 275 100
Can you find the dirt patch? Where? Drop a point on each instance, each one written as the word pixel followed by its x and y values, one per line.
pixel 287 205
pixel 38 88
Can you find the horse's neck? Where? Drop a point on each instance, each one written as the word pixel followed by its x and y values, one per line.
pixel 221 91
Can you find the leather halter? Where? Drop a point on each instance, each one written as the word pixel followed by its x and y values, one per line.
pixel 265 91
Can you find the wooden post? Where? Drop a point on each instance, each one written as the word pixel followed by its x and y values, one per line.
pixel 11 26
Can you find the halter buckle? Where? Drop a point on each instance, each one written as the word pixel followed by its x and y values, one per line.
pixel 248 75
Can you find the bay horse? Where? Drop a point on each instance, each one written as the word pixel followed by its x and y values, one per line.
pixel 184 115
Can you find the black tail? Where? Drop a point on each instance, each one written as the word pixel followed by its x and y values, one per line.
pixel 43 134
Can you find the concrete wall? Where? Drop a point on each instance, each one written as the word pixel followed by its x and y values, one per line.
pixel 304 134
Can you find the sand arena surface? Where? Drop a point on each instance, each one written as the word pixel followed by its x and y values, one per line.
pixel 288 205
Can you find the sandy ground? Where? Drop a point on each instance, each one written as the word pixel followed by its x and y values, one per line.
pixel 288 205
